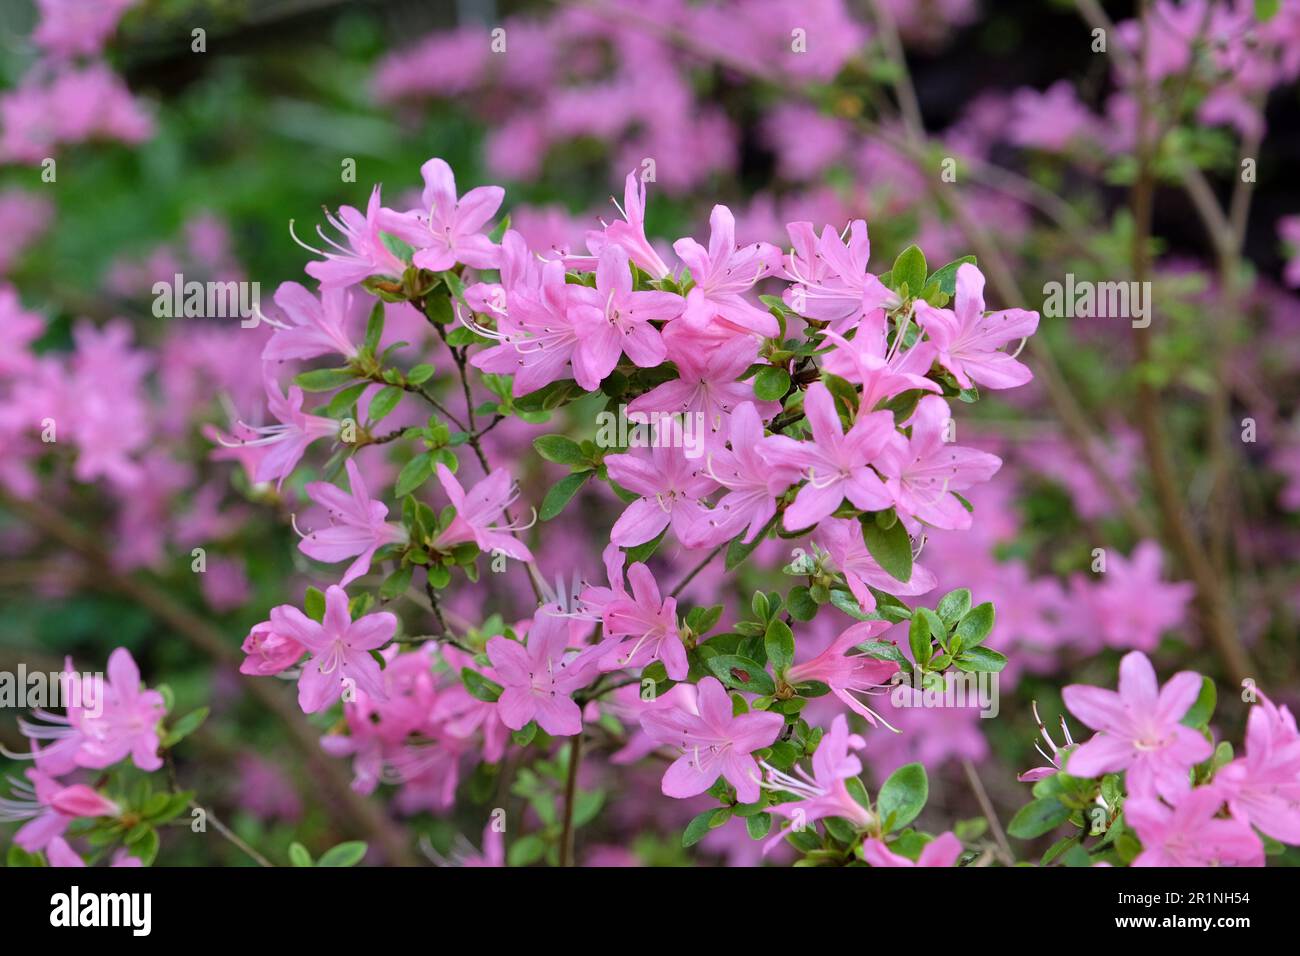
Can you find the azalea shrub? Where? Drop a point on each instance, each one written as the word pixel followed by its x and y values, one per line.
pixel 681 530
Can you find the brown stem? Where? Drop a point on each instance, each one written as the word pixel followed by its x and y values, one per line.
pixel 570 797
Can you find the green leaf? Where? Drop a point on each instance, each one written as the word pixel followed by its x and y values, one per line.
pixel 1034 819
pixel 953 606
pixel 145 847
pixel 771 383
pixel 344 854
pixel 698 828
pixel 420 374
pixel 980 659
pixel 701 620
pixel 946 277
pixel 413 474
pixel 909 268
pixel 18 857
pixel 738 550
pixel 779 644
pixel 891 547
pixel 527 850
pixel 903 795
pixel 758 825
pixel 374 328
pixel 561 492
pixel 314 604
pixel 918 639
pixel 383 403
pixel 324 379
pixel 559 449
pixel 741 673
pixel 1200 713
pixel 396 583
pixel 976 626
pixel 185 726
pixel 479 686
pixel 800 603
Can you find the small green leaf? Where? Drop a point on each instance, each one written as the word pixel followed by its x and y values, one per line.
pixel 560 494
pixel 741 673
pixel 344 854
pixel 779 644
pixel 324 379
pixel 561 450
pixel 1035 819
pixel 903 795
pixel 891 547
pixel 185 726
pixel 738 550
pixel 314 604
pixel 946 277
pixel 479 686
pixel 298 855
pixel 918 639
pixel 527 850
pixel 396 583
pixel 976 626
pixel 383 403
pixel 771 383
pixel 953 606
pixel 909 268
pixel 1200 713
pixel 413 474
pixel 980 659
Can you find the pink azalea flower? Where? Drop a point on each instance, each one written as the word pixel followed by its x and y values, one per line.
pixel 286 442
pixel 753 482
pixel 1130 606
pixel 846 673
pixel 77 27
pixel 823 793
pixel 541 677
pixel 536 333
pixel 837 465
pixel 128 723
pixel 713 742
pixel 268 651
pixel 492 855
pixel 864 360
pixel 477 509
pixel 316 325
pixel 365 253
pixel 833 284
pixel 447 230
pixel 923 471
pixel 842 538
pixel 340 649
pixel 1058 754
pixel 1138 729
pixel 1263 786
pixel 723 274
pixel 943 850
pixel 648 622
pixel 59 854
pixel 967 340
pixel 629 234
pixel 1190 833
pixel 670 485
pixel 612 319
pixel 48 807
pixel 357 530
pixel 706 385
